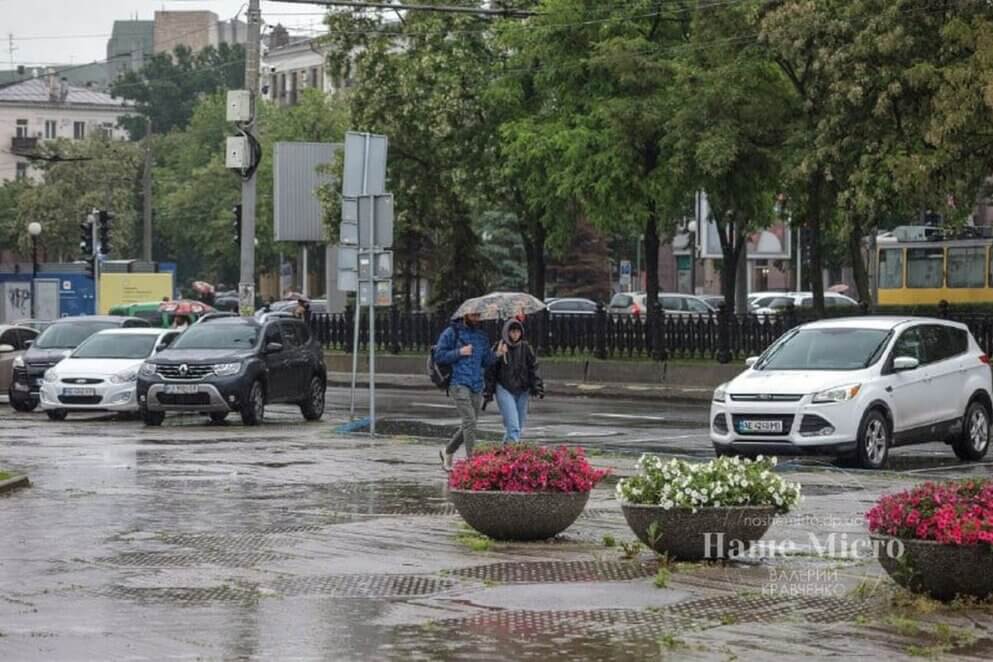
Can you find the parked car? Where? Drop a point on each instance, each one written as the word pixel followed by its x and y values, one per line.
pixel 857 387
pixel 712 300
pixel 14 341
pixel 54 344
pixel 803 300
pixel 37 325
pixel 215 316
pixel 235 364
pixel 571 306
pixel 634 303
pixel 101 373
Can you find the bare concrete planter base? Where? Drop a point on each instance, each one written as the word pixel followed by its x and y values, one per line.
pixel 935 569
pixel 519 515
pixel 709 533
pixel 14 483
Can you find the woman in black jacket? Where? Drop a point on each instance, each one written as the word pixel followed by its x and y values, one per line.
pixel 512 379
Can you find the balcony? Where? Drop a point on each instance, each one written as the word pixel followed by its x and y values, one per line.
pixel 23 145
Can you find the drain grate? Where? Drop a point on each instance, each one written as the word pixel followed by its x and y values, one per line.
pixel 182 596
pixel 241 540
pixel 192 559
pixel 364 586
pixel 557 571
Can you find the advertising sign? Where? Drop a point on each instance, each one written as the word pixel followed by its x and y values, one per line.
pixel 126 288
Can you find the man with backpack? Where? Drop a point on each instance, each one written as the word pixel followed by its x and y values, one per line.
pixel 464 349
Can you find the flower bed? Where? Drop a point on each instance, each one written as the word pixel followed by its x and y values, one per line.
pixel 712 510
pixel 521 492
pixel 937 538
pixel 524 468
pixel 725 481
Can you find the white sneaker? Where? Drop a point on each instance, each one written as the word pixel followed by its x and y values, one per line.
pixel 446 460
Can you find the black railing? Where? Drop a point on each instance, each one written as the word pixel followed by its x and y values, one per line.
pixel 721 336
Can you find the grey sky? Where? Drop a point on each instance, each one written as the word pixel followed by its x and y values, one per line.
pixel 76 31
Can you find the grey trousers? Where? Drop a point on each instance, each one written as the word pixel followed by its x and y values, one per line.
pixel 468 405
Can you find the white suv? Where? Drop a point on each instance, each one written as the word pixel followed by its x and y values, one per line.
pixel 857 387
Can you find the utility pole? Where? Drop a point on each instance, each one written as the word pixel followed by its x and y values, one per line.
pixel 246 284
pixel 146 185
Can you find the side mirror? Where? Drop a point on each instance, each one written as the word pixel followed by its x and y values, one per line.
pixel 28 343
pixel 751 361
pixel 902 363
pixel 6 349
pixel 273 347
pixel 160 347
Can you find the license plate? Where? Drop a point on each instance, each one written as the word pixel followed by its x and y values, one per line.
pixel 181 388
pixel 760 426
pixel 78 391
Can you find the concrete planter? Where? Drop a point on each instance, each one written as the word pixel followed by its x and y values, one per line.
pixel 519 515
pixel 935 569
pixel 709 533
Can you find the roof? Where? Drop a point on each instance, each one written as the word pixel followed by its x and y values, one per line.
pixel 35 91
pixel 884 322
pixel 249 321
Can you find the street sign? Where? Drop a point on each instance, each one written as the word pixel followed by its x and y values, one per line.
pixel 626 274
pixel 348 268
pixel 383 289
pixel 365 171
pixel 384 265
pixel 356 220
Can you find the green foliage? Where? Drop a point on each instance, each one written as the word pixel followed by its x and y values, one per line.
pixel 662 577
pixel 475 541
pixel 609 540
pixel 506 266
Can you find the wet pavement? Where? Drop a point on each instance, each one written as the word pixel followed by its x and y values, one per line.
pixel 292 541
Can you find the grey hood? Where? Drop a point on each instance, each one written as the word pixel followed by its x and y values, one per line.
pixel 510 324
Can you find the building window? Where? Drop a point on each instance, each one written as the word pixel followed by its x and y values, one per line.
pixel 51 129
pixel 313 77
pixel 22 170
pixel 925 267
pixel 967 266
pixel 79 130
pixel 22 128
pixel 282 86
pixel 273 81
pixel 891 268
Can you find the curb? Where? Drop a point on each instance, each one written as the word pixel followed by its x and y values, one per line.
pixel 14 483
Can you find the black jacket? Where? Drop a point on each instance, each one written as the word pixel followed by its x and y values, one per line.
pixel 517 370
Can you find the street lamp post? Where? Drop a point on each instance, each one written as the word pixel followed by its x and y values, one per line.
pixel 34 229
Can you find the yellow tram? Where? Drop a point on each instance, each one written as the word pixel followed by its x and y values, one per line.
pixel 925 269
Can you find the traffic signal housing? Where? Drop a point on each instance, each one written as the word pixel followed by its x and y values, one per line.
pixel 86 236
pixel 236 224
pixel 104 220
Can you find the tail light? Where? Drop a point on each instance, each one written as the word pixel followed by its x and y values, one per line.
pixel 984 358
pixel 635 310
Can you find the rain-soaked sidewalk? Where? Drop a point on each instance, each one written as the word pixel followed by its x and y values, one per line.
pixel 290 542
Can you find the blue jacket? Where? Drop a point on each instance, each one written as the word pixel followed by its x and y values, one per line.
pixel 466 370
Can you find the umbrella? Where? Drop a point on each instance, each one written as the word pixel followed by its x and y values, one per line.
pixel 840 288
pixel 500 306
pixel 185 307
pixel 202 287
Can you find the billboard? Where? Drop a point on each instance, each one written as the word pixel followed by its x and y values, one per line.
pixel 772 243
pixel 126 288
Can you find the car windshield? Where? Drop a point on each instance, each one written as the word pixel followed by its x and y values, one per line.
pixel 116 346
pixel 826 349
pixel 218 336
pixel 69 336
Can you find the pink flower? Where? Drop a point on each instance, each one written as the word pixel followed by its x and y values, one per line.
pixel 523 468
pixel 955 513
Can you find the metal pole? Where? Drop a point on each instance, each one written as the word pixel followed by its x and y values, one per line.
pixel 246 282
pixel 34 276
pixel 358 297
pixel 304 271
pixel 146 185
pixel 96 265
pixel 372 311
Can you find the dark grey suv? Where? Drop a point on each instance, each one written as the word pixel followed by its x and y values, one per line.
pixel 235 364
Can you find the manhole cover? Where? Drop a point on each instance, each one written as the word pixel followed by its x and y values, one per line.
pixel 182 596
pixel 192 559
pixel 558 571
pixel 364 586
pixel 246 540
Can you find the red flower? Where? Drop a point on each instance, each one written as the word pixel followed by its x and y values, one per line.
pixel 956 513
pixel 523 468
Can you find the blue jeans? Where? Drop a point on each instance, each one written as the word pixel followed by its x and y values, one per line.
pixel 514 410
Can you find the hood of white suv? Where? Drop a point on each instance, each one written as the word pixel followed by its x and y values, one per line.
pixel 95 367
pixel 792 381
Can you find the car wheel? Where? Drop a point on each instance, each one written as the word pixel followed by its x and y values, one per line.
pixel 218 416
pixel 874 440
pixel 313 407
pixel 57 414
pixel 152 418
pixel 974 441
pixel 23 405
pixel 253 409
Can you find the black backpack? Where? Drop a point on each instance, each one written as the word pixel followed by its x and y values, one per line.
pixel 441 375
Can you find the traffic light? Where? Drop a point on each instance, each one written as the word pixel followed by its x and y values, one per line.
pixel 86 236
pixel 105 218
pixel 236 224
pixel 90 263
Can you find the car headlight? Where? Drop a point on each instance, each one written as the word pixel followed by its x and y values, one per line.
pixel 18 362
pixel 720 393
pixel 50 376
pixel 148 369
pixel 226 369
pixel 124 377
pixel 838 393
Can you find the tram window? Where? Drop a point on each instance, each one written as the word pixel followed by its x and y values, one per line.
pixel 967 266
pixel 891 268
pixel 925 267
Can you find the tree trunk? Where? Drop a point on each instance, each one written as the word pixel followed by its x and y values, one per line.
pixel 651 260
pixel 741 278
pixel 534 237
pixel 858 262
pixel 814 211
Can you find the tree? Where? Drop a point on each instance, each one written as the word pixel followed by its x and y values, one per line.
pixel 506 268
pixel 583 268
pixel 167 89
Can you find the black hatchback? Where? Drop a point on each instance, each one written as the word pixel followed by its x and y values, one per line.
pixel 53 345
pixel 235 364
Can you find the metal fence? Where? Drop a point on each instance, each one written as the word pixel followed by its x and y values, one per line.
pixel 720 336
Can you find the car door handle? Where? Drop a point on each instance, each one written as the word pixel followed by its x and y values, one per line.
pixel 889 389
